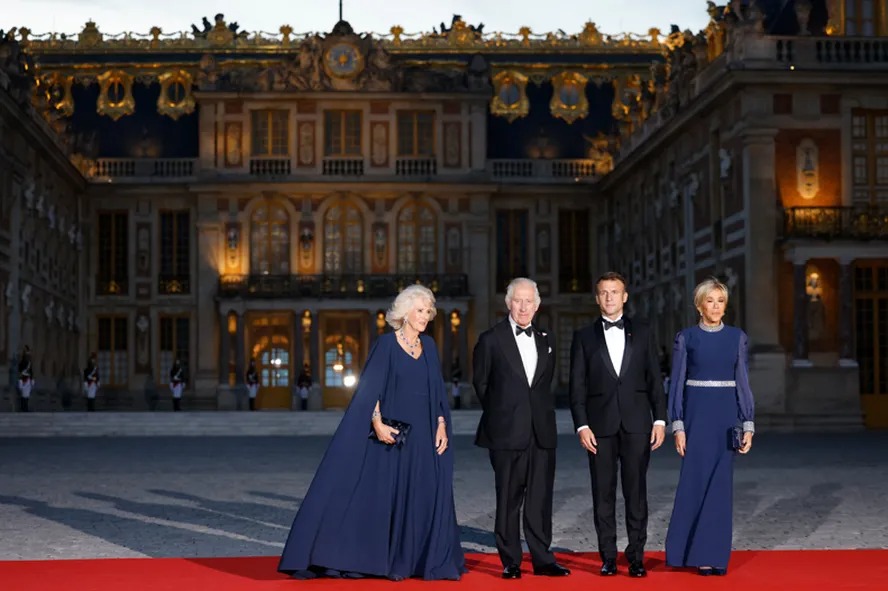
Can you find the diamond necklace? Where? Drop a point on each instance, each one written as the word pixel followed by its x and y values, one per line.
pixel 410 346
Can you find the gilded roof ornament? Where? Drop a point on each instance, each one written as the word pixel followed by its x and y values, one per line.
pixel 90 36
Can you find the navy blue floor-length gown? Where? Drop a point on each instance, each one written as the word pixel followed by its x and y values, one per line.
pixel 709 395
pixel 379 510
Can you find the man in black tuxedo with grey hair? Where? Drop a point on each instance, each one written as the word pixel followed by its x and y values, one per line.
pixel 619 411
pixel 514 364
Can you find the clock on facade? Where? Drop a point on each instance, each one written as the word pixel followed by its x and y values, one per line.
pixel 343 60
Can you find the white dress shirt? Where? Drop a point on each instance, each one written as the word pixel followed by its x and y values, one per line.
pixel 528 350
pixel 615 339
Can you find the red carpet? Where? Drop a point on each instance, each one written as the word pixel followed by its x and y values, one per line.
pixel 830 570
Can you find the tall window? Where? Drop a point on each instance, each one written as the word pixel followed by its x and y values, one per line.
pixel 175 251
pixel 511 246
pixel 417 239
pixel 112 351
pixel 574 274
pixel 342 133
pixel 869 147
pixel 270 132
pixel 861 17
pixel 270 240
pixel 174 340
pixel 343 240
pixel 416 133
pixel 113 244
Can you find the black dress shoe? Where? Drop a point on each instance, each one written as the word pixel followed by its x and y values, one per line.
pixel 704 572
pixel 719 572
pixel 609 568
pixel 636 569
pixel 552 570
pixel 512 572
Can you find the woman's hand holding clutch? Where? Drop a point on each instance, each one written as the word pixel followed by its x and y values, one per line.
pixel 747 442
pixel 384 433
pixel 441 438
pixel 681 442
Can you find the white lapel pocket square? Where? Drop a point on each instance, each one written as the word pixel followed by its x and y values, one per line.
pixel 550 350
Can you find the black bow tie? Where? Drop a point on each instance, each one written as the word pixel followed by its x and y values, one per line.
pixel 528 331
pixel 608 324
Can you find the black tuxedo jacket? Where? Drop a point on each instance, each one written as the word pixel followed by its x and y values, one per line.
pixel 513 412
pixel 604 400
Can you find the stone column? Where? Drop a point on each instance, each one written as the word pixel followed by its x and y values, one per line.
pixel 767 359
pixel 315 397
pixel 447 348
pixel 846 315
pixel 762 266
pixel 239 351
pixel 799 317
pixel 224 349
pixel 298 348
pixel 373 331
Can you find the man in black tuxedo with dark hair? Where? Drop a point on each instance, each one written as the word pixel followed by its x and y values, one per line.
pixel 514 364
pixel 619 411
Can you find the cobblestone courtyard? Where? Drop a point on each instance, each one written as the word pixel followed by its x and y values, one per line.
pixel 82 497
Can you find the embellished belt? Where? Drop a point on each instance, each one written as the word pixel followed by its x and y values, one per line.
pixel 712 383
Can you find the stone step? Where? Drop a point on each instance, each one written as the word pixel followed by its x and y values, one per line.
pixel 201 423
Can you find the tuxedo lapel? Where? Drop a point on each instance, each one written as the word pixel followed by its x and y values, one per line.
pixel 602 349
pixel 542 346
pixel 627 350
pixel 509 346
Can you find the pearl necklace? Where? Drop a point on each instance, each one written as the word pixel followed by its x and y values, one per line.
pixel 708 328
pixel 412 347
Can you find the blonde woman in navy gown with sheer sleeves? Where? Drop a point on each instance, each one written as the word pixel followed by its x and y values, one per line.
pixel 709 396
pixel 381 502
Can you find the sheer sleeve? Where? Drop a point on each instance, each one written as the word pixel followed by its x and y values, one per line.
pixel 677 382
pixel 745 402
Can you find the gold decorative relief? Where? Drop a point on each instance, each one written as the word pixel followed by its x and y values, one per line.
pixel 510 95
pixel 90 36
pixel 175 97
pixel 569 96
pixel 115 94
pixel 62 99
pixel 591 36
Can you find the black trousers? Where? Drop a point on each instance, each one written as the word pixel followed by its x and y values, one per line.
pixel 631 454
pixel 527 478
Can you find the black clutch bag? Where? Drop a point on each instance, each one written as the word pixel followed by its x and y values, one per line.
pixel 736 438
pixel 402 427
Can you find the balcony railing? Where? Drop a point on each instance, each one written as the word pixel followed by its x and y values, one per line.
pixel 337 286
pixel 173 284
pixel 867 222
pixel 416 167
pixel 543 170
pixel 270 167
pixel 146 168
pixel 831 52
pixel 116 286
pixel 342 167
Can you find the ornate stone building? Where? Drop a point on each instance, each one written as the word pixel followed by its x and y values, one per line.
pixel 763 159
pixel 41 258
pixel 266 197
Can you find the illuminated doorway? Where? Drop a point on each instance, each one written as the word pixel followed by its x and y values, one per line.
pixel 269 336
pixel 343 352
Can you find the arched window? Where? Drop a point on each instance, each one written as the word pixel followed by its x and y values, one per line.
pixel 343 240
pixel 270 240
pixel 417 239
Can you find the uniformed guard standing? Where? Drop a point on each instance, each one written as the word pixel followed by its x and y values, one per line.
pixel 177 384
pixel 26 379
pixel 91 382
pixel 252 380
pixel 303 382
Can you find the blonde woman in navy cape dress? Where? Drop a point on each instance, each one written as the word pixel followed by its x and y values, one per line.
pixel 375 508
pixel 709 395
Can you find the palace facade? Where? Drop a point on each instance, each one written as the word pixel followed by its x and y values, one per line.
pixel 265 196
